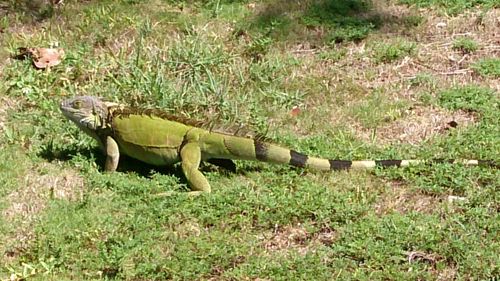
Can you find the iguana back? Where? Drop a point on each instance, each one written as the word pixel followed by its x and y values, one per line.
pixel 160 139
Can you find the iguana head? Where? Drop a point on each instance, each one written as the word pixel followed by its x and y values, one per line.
pixel 89 113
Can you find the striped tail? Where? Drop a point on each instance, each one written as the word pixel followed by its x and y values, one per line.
pixel 370 164
pixel 248 149
pixel 276 154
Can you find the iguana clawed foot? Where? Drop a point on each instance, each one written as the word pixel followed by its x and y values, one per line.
pixel 156 138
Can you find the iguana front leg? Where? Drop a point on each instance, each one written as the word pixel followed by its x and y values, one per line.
pixel 112 154
pixel 191 158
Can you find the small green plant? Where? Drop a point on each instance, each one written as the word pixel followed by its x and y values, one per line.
pixel 472 98
pixel 349 33
pixel 258 48
pixel 413 20
pixel 426 98
pixel 4 24
pixel 423 79
pixel 488 67
pixel 452 7
pixel 333 55
pixel 341 20
pixel 378 109
pixel 389 52
pixel 465 45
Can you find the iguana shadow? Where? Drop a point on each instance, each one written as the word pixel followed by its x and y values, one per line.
pixel 128 164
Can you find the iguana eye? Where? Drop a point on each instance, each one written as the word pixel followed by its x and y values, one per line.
pixel 77 104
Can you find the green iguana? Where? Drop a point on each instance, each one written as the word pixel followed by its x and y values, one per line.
pixel 154 137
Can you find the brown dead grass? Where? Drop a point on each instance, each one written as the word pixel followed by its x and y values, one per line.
pixel 434 57
pixel 402 200
pixel 40 184
pixel 48 181
pixel 6 103
pixel 297 239
pixel 446 274
pixel 419 125
pixel 435 54
pixel 432 259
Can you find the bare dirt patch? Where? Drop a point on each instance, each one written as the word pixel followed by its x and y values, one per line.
pixel 402 200
pixel 48 181
pixel 419 125
pixel 42 183
pixel 296 238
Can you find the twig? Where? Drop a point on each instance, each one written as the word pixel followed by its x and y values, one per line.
pixel 457 72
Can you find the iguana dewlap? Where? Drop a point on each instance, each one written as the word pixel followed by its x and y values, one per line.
pixel 159 139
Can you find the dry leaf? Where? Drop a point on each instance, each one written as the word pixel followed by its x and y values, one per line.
pixel 295 111
pixel 43 57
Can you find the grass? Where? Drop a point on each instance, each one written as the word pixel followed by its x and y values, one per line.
pixel 340 79
pixel 465 45
pixel 489 67
pixel 392 51
pixel 373 111
pixel 453 7
pixel 470 98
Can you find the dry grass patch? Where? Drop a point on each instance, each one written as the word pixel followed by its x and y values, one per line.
pixel 438 55
pixel 419 125
pixel 434 57
pixel 402 200
pixel 296 238
pixel 432 259
pixel 6 103
pixel 42 183
pixel 47 182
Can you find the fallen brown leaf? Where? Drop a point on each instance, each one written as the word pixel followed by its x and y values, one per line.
pixel 43 57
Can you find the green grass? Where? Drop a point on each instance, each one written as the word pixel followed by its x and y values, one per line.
pixel 236 64
pixel 375 110
pixel 392 51
pixel 465 45
pixel 470 98
pixel 342 21
pixel 453 6
pixel 489 67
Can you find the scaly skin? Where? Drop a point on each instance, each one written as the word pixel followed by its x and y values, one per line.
pixel 156 138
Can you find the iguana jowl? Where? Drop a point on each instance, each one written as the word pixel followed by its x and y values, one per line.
pixel 156 138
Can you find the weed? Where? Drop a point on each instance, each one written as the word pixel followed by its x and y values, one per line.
pixel 258 48
pixel 423 80
pixel 413 20
pixel 426 98
pixel 453 7
pixel 344 19
pixel 471 98
pixel 377 110
pixel 349 33
pixel 489 67
pixel 392 51
pixel 465 45
pixel 333 55
pixel 339 20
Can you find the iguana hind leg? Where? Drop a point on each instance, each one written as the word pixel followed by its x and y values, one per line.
pixel 191 157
